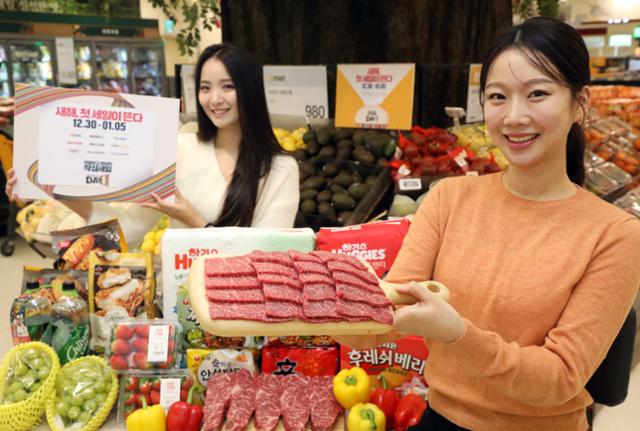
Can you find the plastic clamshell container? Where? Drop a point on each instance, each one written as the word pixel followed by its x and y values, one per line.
pixel 144 346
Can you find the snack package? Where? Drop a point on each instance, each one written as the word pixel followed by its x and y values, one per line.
pixel 144 346
pixel 319 361
pixel 164 389
pixel 378 243
pixel 401 362
pixel 204 363
pixel 74 246
pixel 121 285
pixel 180 247
pixel 196 337
pixel 51 309
pixel 306 341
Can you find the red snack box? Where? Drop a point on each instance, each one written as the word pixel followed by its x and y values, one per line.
pixel 399 361
pixel 378 243
pixel 320 361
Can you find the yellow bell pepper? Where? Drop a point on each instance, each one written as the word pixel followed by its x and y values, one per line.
pixel 351 386
pixel 147 418
pixel 366 417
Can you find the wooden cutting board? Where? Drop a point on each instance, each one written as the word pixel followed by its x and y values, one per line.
pixel 246 328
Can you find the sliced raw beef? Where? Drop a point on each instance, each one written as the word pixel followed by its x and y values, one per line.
pixel 364 275
pixel 311 278
pixel 217 401
pixel 343 277
pixel 228 266
pixel 280 257
pixel 274 268
pixel 358 310
pixel 243 282
pixel 279 279
pixel 283 310
pixel 267 402
pixel 320 309
pixel 279 292
pixel 294 401
pixel 353 293
pixel 299 256
pixel 235 295
pixel 236 311
pixel 318 292
pixel 324 407
pixel 312 267
pixel 243 401
pixel 326 256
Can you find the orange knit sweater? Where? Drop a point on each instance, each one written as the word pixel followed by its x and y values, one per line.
pixel 544 288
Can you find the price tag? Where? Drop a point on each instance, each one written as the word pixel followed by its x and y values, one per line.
pixel 296 90
pixel 461 160
pixel 404 171
pixel 169 392
pixel 408 184
pixel 158 343
pixel 66 61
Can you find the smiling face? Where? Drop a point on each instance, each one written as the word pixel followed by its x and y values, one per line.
pixel 217 94
pixel 527 113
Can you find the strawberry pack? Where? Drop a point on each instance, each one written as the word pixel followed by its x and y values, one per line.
pixel 143 346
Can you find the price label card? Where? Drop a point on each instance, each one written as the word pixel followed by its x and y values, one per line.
pixel 296 90
pixel 97 146
pixel 169 392
pixel 474 109
pixel 375 95
pixel 408 184
pixel 158 348
pixel 66 61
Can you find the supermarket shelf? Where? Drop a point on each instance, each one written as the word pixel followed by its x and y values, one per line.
pixel 633 83
pixel 621 191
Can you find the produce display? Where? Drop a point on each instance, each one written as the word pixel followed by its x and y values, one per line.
pixel 619 100
pixel 28 369
pixel 38 219
pixel 476 138
pixel 291 141
pixel 615 141
pixel 152 239
pixel 143 346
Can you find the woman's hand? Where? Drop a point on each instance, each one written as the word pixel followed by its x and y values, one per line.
pixel 180 210
pixel 7 107
pixel 430 317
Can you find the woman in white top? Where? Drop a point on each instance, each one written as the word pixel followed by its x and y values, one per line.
pixel 232 173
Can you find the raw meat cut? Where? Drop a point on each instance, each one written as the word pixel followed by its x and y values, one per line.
pixel 324 407
pixel 243 282
pixel 277 292
pixel 364 275
pixel 326 309
pixel 228 266
pixel 310 277
pixel 318 292
pixel 294 402
pixel 279 279
pixel 236 311
pixel 343 277
pixel 267 402
pixel 235 295
pixel 274 268
pixel 316 268
pixel 283 309
pixel 243 401
pixel 353 293
pixel 359 309
pixel 217 400
pixel 282 258
pixel 299 256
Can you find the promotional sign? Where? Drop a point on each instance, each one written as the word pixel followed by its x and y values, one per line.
pixel 375 96
pixel 66 61
pixel 296 90
pixel 91 145
pixel 474 109
pixel 189 93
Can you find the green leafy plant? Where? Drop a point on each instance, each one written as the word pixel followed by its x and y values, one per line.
pixel 528 8
pixel 193 12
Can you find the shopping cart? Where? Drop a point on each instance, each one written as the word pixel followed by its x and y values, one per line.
pixel 8 246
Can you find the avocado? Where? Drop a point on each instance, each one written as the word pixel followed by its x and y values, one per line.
pixel 330 170
pixel 300 155
pixel 370 180
pixel 358 137
pixel 313 147
pixel 316 182
pixel 327 152
pixel 364 156
pixel 306 170
pixel 389 149
pixel 309 206
pixel 308 194
pixel 343 201
pixel 344 216
pixel 343 154
pixel 339 134
pixel 335 188
pixel 344 143
pixel 356 177
pixel 382 162
pixel 343 179
pixel 310 135
pixel 358 190
pixel 324 196
pixel 376 146
pixel 323 136
pixel 325 209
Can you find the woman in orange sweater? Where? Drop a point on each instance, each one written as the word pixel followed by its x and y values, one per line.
pixel 542 273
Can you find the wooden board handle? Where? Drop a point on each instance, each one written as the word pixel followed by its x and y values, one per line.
pixel 435 287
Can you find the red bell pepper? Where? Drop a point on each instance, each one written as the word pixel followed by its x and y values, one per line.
pixel 409 411
pixel 386 399
pixel 184 416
